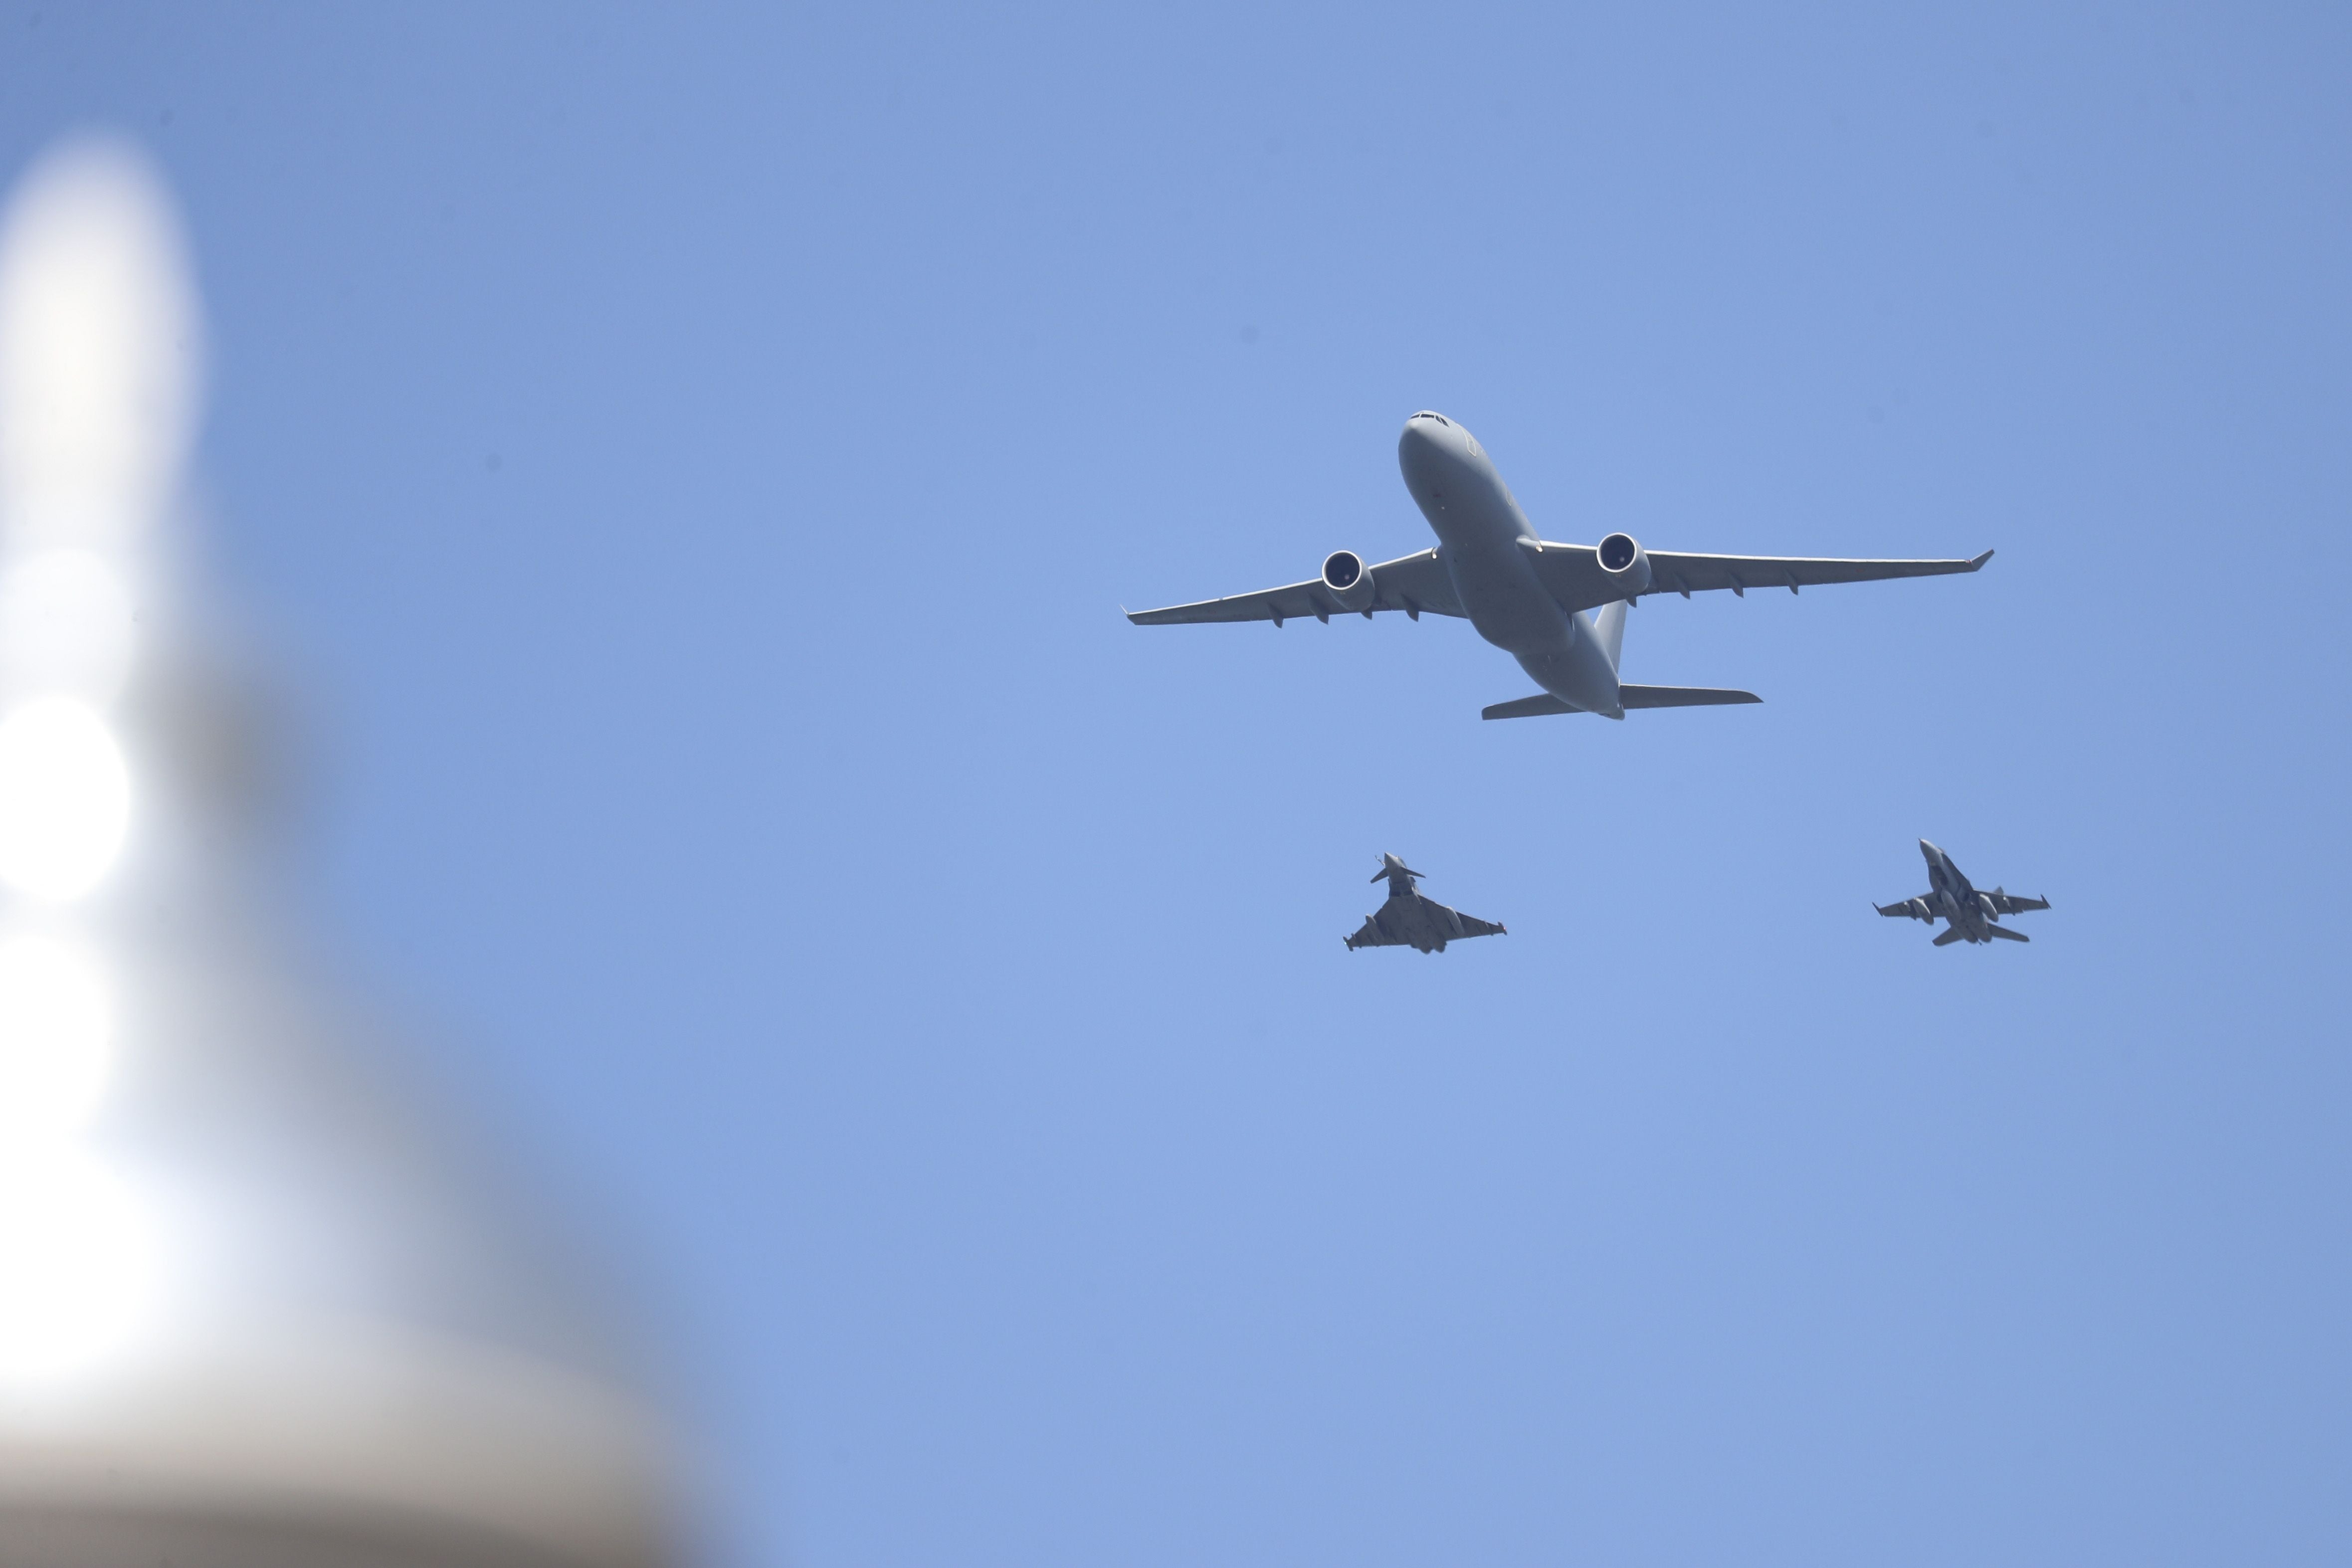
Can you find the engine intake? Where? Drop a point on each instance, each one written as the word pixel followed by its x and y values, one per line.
pixel 1624 566
pixel 1347 579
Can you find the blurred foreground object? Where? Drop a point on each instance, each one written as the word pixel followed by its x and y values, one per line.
pixel 252 1312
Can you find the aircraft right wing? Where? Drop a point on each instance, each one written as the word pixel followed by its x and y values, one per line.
pixel 1413 583
pixel 1678 573
pixel 2014 904
pixel 1904 912
pixel 1573 573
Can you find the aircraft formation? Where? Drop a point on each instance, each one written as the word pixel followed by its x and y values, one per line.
pixel 1559 611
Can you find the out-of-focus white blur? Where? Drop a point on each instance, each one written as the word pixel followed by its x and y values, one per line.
pixel 251 1311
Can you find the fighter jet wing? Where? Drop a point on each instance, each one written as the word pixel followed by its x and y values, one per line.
pixel 1371 935
pixel 1450 925
pixel 1573 573
pixel 1904 912
pixel 1411 582
pixel 2012 904
pixel 1422 922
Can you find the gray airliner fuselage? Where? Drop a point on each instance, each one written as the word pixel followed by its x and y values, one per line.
pixel 1488 547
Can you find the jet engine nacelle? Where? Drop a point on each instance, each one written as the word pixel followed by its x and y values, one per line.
pixel 1347 579
pixel 1624 566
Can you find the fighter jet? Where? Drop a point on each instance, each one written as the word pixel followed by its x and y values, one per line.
pixel 1408 919
pixel 1975 916
pixel 1558 609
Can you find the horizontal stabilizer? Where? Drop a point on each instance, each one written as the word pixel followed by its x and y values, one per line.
pixel 1634 696
pixel 1631 696
pixel 2006 934
pixel 1528 708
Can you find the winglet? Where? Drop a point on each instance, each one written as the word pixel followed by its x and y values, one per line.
pixel 1979 563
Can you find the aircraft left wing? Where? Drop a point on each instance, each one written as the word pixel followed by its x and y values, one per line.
pixel 1413 583
pixel 2012 904
pixel 1905 910
pixel 1572 572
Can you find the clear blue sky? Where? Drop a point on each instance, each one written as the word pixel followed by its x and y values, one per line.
pixel 691 462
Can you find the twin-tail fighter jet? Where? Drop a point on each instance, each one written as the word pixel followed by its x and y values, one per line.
pixel 1974 916
pixel 1558 609
pixel 1409 919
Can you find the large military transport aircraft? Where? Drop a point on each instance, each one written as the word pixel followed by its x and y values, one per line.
pixel 1975 916
pixel 1558 609
pixel 1409 919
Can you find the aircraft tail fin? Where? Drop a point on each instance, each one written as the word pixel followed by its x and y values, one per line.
pixel 1608 629
pixel 1950 936
pixel 2005 933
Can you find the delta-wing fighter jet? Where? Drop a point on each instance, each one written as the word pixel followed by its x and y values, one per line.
pixel 1974 916
pixel 1409 919
pixel 1558 609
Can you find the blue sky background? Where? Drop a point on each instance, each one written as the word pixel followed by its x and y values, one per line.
pixel 689 464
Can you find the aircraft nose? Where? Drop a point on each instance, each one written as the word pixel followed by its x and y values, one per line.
pixel 1428 440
